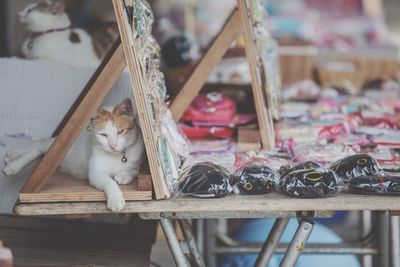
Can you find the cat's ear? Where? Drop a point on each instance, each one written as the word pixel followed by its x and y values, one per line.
pixel 58 7
pixel 101 112
pixel 125 108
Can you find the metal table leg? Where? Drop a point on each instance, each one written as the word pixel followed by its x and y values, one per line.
pixel 383 238
pixel 272 242
pixel 191 242
pixel 366 228
pixel 395 240
pixel 173 243
pixel 211 243
pixel 200 235
pixel 298 242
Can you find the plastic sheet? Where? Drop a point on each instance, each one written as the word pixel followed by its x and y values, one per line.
pixel 377 184
pixel 356 165
pixel 205 179
pixel 255 177
pixel 309 180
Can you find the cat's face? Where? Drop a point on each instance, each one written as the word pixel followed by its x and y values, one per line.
pixel 113 129
pixel 41 15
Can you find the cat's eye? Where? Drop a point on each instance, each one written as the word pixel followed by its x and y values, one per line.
pixel 103 134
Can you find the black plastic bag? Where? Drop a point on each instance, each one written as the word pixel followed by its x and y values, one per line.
pixel 377 184
pixel 306 181
pixel 204 180
pixel 255 177
pixel 356 165
pixel 300 166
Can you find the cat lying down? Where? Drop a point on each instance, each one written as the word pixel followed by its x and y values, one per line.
pixel 51 37
pixel 109 154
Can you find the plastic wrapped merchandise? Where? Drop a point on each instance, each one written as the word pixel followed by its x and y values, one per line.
pixel 300 166
pixel 310 183
pixel 356 165
pixel 376 184
pixel 255 177
pixel 204 179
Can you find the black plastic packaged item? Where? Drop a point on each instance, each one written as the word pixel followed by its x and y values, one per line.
pixel 310 183
pixel 376 184
pixel 255 177
pixel 306 165
pixel 356 165
pixel 204 180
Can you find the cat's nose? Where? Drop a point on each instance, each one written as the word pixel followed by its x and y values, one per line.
pixel 113 146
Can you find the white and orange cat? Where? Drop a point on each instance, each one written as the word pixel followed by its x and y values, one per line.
pixel 110 154
pixel 52 39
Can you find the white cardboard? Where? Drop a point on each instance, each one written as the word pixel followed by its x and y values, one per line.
pixel 34 97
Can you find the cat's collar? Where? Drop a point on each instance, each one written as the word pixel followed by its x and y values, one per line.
pixel 34 35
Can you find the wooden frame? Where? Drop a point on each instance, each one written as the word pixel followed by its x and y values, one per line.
pixel 48 185
pixel 138 51
pixel 238 24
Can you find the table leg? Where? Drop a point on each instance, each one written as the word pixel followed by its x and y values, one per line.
pixel 191 242
pixel 366 228
pixel 173 243
pixel 395 240
pixel 383 238
pixel 200 235
pixel 272 242
pixel 298 242
pixel 211 230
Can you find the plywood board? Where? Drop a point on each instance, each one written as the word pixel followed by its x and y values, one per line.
pixel 242 204
pixel 141 58
pixel 62 187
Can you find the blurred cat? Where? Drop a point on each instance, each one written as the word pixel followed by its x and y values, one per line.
pixel 51 37
pixel 108 155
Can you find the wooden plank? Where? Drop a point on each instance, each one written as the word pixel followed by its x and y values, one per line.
pixel 144 179
pixel 159 182
pixel 273 202
pixel 99 85
pixel 263 112
pixel 248 139
pixel 63 187
pixel 211 58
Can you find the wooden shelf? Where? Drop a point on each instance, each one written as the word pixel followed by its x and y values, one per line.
pixel 241 204
pixel 62 187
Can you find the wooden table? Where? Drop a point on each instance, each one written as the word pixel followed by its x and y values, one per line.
pixel 233 206
pixel 273 202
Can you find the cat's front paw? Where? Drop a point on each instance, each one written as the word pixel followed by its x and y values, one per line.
pixel 123 178
pixel 11 169
pixel 116 202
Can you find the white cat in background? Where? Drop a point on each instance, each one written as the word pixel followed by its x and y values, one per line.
pixel 110 154
pixel 51 37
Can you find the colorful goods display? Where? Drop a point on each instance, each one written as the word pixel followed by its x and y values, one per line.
pixel 212 115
